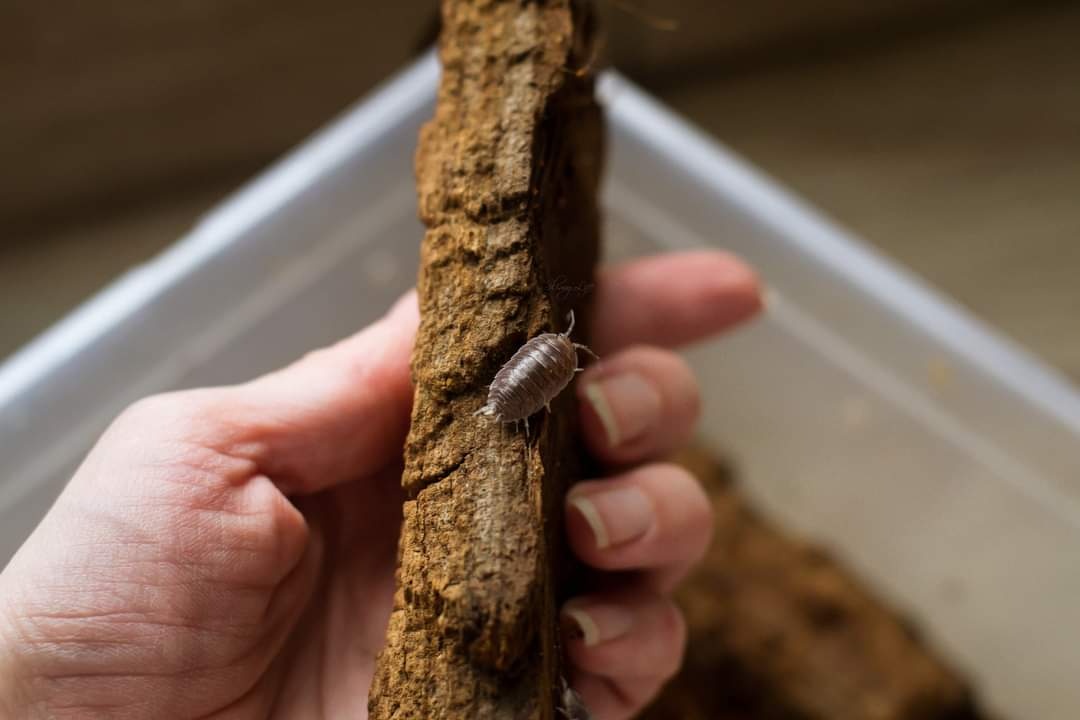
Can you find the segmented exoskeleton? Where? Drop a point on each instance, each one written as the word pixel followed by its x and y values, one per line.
pixel 571 706
pixel 530 380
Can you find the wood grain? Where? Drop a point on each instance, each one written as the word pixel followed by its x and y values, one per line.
pixel 507 175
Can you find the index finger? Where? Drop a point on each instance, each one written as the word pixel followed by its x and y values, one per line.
pixel 673 299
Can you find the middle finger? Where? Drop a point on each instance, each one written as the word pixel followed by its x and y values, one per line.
pixel 639 404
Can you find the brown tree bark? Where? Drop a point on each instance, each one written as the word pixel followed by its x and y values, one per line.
pixel 507 173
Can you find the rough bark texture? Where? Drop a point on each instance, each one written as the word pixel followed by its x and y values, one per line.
pixel 779 631
pixel 507 173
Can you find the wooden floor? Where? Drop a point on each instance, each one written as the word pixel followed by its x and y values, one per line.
pixel 954 148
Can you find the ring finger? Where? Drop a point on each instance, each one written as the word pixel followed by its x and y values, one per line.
pixel 655 519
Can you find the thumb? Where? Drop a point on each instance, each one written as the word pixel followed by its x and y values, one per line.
pixel 339 412
pixel 334 415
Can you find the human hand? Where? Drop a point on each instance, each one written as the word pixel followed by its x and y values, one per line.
pixel 229 552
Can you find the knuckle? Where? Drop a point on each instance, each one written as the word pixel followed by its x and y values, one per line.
pixel 250 533
pixel 702 523
pixel 288 531
pixel 143 420
pixel 692 390
pixel 674 378
pixel 673 626
pixel 143 409
pixel 689 516
pixel 684 389
pixel 171 410
pixel 697 504
pixel 702 514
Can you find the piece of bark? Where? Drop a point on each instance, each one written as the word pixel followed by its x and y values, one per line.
pixel 507 174
pixel 780 631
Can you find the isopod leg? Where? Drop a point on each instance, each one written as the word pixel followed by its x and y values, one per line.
pixel 587 349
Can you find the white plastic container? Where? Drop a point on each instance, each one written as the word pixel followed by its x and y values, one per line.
pixel 863 410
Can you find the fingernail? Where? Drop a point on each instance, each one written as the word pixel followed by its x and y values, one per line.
pixel 626 404
pixel 616 515
pixel 594 624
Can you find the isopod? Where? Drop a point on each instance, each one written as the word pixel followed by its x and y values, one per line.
pixel 571 706
pixel 530 380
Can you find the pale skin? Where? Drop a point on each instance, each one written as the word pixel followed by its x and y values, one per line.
pixel 229 552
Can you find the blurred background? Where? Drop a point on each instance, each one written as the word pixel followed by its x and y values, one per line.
pixel 945 132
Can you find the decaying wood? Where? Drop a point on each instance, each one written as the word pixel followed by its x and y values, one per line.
pixel 780 631
pixel 507 173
